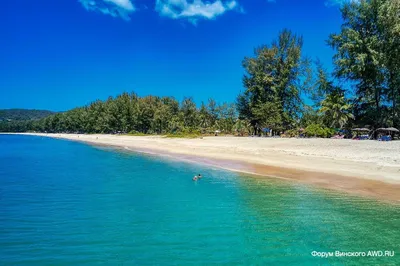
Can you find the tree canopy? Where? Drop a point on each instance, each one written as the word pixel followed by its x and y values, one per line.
pixel 367 53
pixel 274 80
pixel 129 113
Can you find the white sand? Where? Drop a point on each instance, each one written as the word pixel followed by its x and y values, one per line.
pixel 371 160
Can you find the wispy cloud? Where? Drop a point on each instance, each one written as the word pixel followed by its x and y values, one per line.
pixel 115 8
pixel 194 10
pixel 339 2
pixel 329 2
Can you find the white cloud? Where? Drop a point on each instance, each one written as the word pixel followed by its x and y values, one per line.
pixel 125 4
pixel 231 5
pixel 193 10
pixel 339 2
pixel 115 8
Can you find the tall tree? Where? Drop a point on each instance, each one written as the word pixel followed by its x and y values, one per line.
pixel 189 113
pixel 274 80
pixel 360 55
pixel 323 85
pixel 212 109
pixel 389 18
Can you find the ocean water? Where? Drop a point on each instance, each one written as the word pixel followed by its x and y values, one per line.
pixel 68 203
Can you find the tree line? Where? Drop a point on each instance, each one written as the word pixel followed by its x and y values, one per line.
pixel 129 113
pixel 362 91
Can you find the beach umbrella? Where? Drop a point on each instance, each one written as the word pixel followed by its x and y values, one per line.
pixel 393 129
pixel 388 129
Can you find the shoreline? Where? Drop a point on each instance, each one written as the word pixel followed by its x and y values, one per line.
pixel 316 162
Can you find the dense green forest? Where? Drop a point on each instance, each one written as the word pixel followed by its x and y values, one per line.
pixel 23 114
pixel 19 120
pixel 128 113
pixel 363 90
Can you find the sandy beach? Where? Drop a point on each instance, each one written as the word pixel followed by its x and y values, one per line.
pixel 368 168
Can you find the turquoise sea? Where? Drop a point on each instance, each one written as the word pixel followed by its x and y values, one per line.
pixel 68 203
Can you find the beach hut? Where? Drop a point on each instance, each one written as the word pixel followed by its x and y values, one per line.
pixel 390 131
pixel 216 132
pixel 361 133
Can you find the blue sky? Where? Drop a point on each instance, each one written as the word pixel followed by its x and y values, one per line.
pixel 61 54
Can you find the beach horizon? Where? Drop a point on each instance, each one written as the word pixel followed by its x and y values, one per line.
pixel 356 167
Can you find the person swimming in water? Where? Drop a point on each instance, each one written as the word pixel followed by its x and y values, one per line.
pixel 196 177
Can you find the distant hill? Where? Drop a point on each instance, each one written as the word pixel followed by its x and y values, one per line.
pixel 23 114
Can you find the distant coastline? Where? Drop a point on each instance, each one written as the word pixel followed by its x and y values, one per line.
pixel 365 168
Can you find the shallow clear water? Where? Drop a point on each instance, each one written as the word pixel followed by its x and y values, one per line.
pixel 68 203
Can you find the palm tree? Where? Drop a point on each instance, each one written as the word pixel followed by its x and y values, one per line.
pixel 336 109
pixel 241 126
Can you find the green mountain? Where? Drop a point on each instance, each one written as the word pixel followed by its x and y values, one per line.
pixel 23 114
